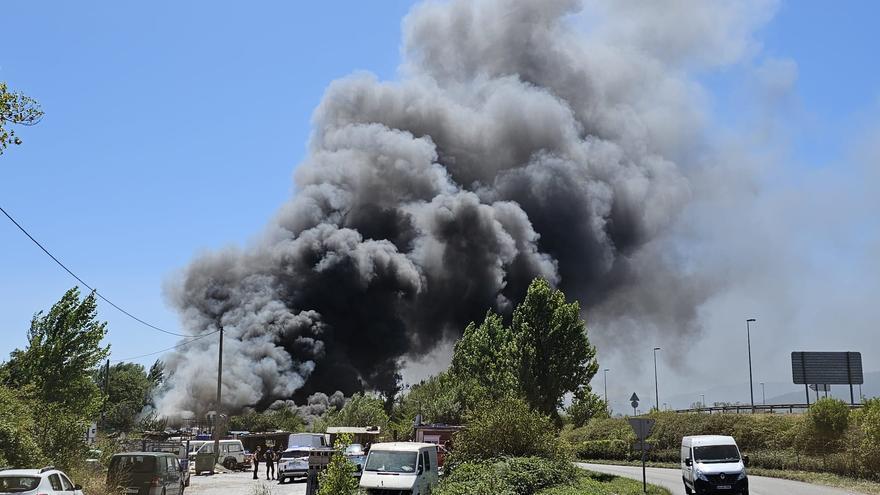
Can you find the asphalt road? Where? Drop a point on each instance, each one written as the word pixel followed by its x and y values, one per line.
pixel 241 484
pixel 758 485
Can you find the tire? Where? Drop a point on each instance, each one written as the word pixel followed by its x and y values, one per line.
pixel 229 463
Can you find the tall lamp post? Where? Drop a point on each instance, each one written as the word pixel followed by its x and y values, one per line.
pixel 704 400
pixel 605 371
pixel 656 386
pixel 749 340
pixel 763 395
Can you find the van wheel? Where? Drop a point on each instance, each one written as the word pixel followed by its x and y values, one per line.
pixel 229 463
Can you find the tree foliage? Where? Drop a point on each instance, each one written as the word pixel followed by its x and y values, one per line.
pixel 361 410
pixel 63 351
pixel 338 477
pixel 555 356
pixel 15 109
pixel 585 406
pixel 17 431
pixel 128 394
pixel 827 419
pixel 506 428
pixel 273 420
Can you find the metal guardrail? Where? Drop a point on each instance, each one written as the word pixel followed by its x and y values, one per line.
pixel 759 408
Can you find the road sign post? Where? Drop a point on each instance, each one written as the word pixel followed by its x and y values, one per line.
pixel 642 428
pixel 634 402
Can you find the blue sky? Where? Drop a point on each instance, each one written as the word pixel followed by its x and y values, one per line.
pixel 174 127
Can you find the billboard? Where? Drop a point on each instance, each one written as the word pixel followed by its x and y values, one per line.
pixel 827 368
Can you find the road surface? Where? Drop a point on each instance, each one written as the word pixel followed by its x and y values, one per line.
pixel 241 484
pixel 758 485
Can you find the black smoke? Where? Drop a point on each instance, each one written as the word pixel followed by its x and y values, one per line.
pixel 512 148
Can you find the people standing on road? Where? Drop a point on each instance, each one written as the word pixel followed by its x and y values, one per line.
pixel 270 463
pixel 257 455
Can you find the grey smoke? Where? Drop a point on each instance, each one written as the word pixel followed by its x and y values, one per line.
pixel 516 145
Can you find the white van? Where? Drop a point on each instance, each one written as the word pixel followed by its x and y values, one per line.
pixel 400 468
pixel 231 456
pixel 713 464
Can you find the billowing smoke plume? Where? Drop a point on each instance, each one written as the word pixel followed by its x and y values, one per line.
pixel 514 147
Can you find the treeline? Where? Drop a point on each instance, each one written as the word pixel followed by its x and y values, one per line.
pixel 507 383
pixel 828 438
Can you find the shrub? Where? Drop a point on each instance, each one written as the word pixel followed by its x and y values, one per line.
pixel 510 476
pixel 507 428
pixel 828 418
pixel 338 478
pixel 19 448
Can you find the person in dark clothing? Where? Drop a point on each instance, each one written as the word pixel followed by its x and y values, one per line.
pixel 270 463
pixel 258 454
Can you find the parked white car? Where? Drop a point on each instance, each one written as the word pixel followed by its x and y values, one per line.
pixel 48 480
pixel 400 467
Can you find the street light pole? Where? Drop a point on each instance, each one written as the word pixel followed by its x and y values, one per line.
pixel 704 400
pixel 751 383
pixel 763 395
pixel 656 385
pixel 605 372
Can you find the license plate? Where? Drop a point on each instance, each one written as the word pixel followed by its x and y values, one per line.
pixel 132 490
pixel 723 487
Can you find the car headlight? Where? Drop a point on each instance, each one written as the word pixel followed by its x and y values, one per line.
pixel 701 475
pixel 742 475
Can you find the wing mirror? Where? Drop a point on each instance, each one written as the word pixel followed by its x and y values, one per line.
pixel 746 460
pixel 688 462
pixel 421 469
pixel 77 487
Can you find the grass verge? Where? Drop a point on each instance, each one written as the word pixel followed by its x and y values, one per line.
pixel 826 479
pixel 590 483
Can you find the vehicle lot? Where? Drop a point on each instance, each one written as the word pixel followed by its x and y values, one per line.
pixel 241 483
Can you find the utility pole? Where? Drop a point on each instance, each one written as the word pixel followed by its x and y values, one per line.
pixel 703 401
pixel 106 391
pixel 749 340
pixel 217 408
pixel 656 386
pixel 763 395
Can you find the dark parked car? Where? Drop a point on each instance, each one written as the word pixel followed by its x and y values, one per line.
pixel 146 473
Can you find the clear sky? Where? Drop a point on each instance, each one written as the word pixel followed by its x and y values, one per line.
pixel 174 127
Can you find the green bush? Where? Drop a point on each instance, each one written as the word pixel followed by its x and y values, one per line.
pixel 510 476
pixel 830 438
pixel 506 428
pixel 19 449
pixel 601 484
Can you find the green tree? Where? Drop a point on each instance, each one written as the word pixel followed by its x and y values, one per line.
pixel 361 410
pixel 129 393
pixel 338 478
pixel 506 428
pixel 62 354
pixel 487 354
pixel 17 109
pixel 585 406
pixel 17 429
pixel 555 355
pixel 157 373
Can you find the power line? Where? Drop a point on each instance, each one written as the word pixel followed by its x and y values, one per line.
pixel 111 303
pixel 183 344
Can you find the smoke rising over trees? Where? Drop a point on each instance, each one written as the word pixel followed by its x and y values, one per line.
pixel 514 146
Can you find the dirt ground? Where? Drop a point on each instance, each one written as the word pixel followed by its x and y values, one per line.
pixel 241 484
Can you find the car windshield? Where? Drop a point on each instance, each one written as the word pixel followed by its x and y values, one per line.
pixel 16 484
pixel 355 449
pixel 392 462
pixel 294 454
pixel 133 464
pixel 716 453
